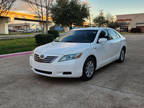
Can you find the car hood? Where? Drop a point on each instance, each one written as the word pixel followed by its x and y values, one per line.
pixel 61 48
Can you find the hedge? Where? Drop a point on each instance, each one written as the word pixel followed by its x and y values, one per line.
pixel 136 30
pixel 54 32
pixel 42 39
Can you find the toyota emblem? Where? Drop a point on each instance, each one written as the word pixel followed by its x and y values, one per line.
pixel 42 56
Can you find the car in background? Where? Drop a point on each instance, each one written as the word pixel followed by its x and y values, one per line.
pixel 79 53
pixel 31 30
pixel 20 31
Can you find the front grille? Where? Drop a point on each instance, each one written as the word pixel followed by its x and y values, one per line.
pixel 48 59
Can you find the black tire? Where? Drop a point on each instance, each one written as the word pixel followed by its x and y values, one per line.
pixel 122 56
pixel 90 64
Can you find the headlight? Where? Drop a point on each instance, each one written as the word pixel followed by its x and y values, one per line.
pixel 70 57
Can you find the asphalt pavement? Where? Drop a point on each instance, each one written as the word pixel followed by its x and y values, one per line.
pixel 114 86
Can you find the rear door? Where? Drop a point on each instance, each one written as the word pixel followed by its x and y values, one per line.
pixel 115 43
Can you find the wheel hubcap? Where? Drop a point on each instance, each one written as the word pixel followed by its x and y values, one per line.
pixel 89 69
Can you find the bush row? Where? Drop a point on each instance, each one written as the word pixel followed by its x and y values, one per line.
pixel 136 30
pixel 42 39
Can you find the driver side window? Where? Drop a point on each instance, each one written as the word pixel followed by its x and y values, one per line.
pixel 104 34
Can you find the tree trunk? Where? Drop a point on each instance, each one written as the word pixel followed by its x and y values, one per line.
pixel 70 26
pixel 47 22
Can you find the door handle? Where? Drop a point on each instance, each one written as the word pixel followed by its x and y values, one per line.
pixel 94 47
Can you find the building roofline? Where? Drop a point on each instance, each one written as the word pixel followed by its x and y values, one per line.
pixel 130 14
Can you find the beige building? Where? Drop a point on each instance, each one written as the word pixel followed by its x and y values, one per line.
pixel 4 25
pixel 131 21
pixel 20 26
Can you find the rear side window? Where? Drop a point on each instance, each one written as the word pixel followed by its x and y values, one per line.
pixel 118 34
pixel 113 34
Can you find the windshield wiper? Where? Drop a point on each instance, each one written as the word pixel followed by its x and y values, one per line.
pixel 69 41
pixel 56 41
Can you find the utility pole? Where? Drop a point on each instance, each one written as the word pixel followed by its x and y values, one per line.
pixel 101 12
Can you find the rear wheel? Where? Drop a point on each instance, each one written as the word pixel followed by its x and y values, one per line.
pixel 122 56
pixel 88 69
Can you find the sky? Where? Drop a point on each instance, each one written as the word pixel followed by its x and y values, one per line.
pixel 114 7
pixel 20 6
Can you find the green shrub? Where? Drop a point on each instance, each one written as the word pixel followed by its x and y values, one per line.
pixel 42 39
pixel 54 32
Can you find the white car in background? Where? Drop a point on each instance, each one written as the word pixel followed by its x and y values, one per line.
pixel 79 53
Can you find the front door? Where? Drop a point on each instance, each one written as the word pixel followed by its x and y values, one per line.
pixel 104 49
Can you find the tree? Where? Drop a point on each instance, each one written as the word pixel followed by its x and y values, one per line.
pixel 69 12
pixel 109 17
pixel 111 21
pixel 114 25
pixel 108 21
pixel 5 5
pixel 41 8
pixel 100 21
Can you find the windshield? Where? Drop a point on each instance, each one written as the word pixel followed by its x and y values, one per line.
pixel 79 36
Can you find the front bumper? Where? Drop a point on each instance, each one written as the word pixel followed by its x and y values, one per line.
pixel 66 69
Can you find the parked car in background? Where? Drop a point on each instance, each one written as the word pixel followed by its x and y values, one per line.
pixel 79 53
pixel 20 31
pixel 31 30
pixel 11 30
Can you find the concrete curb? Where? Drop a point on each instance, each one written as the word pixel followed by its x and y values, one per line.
pixel 15 54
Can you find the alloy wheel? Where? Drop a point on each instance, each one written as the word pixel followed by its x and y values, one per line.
pixel 89 69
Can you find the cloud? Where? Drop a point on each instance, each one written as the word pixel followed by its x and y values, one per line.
pixel 21 6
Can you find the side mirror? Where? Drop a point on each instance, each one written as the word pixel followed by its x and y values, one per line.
pixel 102 40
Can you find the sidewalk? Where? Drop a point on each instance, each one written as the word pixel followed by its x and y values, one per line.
pixel 15 54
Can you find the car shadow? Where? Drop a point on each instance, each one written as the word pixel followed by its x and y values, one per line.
pixel 58 80
pixel 75 80
pixel 109 66
pixel 99 71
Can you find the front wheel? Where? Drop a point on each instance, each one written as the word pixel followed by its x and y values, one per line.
pixel 122 56
pixel 88 69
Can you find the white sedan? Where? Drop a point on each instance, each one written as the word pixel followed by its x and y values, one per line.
pixel 79 53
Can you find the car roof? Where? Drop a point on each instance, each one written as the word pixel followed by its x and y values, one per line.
pixel 92 28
